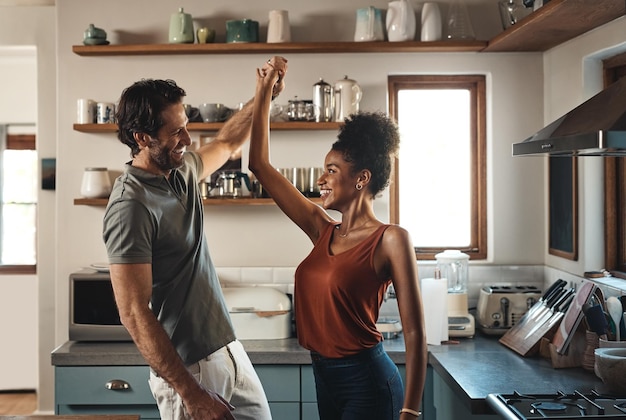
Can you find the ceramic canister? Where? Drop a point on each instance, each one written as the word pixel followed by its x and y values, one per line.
pixel 181 28
pixel 431 22
pixel 278 28
pixel 369 25
pixel 400 21
pixel 95 183
pixel 244 30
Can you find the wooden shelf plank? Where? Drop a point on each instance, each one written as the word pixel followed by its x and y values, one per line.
pixel 243 201
pixel 291 47
pixel 196 126
pixel 556 22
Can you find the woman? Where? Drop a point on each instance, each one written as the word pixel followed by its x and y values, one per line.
pixel 339 286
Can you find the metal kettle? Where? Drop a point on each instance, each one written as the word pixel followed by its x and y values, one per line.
pixel 323 101
pixel 348 94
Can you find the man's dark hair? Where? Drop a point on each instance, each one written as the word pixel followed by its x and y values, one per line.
pixel 140 107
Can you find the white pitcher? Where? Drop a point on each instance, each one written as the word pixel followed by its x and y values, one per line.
pixel 278 29
pixel 369 25
pixel 401 24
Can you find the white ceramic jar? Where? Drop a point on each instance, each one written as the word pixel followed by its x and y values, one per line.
pixel 431 22
pixel 95 183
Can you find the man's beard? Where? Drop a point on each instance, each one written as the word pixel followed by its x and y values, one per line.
pixel 162 158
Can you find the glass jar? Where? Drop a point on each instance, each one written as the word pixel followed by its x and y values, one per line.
pixel 301 110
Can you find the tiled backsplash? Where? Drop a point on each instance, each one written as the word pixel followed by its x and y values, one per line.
pixel 540 276
pixel 479 276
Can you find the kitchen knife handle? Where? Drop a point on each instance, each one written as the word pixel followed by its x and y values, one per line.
pixel 559 284
pixel 557 295
pixel 564 306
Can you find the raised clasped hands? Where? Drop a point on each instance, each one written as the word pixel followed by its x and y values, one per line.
pixel 273 71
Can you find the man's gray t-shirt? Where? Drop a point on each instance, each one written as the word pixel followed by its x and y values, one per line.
pixel 156 220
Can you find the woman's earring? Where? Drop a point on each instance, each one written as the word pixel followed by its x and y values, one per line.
pixel 359 186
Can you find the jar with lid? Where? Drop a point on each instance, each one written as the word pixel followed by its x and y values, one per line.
pixel 95 183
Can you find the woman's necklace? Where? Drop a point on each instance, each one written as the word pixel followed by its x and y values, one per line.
pixel 347 233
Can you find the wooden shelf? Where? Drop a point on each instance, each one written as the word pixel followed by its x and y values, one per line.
pixel 556 22
pixel 197 126
pixel 291 47
pixel 244 201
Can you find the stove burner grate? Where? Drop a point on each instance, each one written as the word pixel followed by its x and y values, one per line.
pixel 560 405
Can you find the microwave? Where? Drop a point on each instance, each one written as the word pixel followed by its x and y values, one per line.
pixel 92 310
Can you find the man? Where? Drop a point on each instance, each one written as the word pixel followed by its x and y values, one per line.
pixel 165 284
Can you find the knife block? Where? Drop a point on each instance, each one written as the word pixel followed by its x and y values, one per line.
pixel 575 353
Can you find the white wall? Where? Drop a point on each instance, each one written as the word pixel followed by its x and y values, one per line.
pixel 18 293
pixel 573 74
pixel 35 26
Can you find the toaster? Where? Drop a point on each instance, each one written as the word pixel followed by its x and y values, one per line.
pixel 501 307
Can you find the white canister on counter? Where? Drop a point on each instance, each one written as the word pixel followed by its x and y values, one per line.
pixel 431 22
pixel 95 183
pixel 85 111
pixel 435 303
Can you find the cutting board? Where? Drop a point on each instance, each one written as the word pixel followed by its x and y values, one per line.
pixel 573 316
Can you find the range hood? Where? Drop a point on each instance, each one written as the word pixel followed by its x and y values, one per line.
pixel 597 127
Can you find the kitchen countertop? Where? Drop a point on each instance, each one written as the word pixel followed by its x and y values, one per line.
pixel 473 368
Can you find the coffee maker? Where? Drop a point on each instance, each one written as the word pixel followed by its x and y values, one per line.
pixel 453 265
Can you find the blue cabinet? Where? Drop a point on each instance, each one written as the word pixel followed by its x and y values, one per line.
pixel 82 390
pixel 282 389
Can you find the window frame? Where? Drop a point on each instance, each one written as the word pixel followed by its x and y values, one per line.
pixel 476 85
pixel 19 142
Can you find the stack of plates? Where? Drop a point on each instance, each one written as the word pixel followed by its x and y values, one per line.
pixel 100 267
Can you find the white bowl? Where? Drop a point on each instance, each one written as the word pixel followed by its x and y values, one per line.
pixel 611 368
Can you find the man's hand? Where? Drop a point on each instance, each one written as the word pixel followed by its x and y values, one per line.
pixel 209 406
pixel 279 64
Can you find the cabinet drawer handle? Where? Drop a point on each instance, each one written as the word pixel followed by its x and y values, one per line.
pixel 117 385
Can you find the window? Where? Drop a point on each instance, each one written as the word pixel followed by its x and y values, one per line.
pixel 438 191
pixel 615 189
pixel 18 182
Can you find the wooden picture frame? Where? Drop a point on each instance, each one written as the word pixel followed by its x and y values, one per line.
pixel 563 207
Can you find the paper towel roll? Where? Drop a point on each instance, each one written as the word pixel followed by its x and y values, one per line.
pixel 435 301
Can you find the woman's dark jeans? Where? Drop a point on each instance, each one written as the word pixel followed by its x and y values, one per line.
pixel 366 386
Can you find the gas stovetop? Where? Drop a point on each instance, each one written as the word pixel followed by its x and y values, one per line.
pixel 560 405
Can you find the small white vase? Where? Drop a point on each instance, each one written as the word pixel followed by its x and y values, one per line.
pixel 400 21
pixel 431 22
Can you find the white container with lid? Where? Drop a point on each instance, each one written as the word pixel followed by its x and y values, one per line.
pixel 258 313
pixel 95 183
